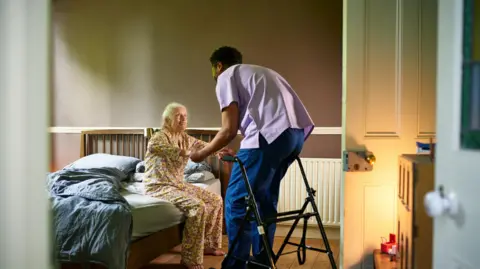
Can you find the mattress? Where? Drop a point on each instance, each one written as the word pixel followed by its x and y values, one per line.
pixel 151 215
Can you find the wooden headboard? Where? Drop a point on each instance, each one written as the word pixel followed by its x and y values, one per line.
pixel 133 142
pixel 126 142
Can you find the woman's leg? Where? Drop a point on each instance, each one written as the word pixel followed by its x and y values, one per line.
pixel 193 237
pixel 214 218
pixel 194 230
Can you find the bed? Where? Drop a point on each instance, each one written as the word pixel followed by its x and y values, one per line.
pixel 151 237
pixel 144 207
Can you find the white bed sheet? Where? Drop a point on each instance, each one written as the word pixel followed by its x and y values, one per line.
pixel 151 215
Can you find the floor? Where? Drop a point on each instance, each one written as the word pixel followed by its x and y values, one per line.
pixel 314 259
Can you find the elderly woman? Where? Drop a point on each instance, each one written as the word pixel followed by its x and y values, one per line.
pixel 167 155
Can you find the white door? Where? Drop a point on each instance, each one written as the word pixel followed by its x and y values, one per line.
pixel 389 104
pixel 456 169
pixel 25 227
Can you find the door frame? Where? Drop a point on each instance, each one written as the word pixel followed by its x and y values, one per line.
pixel 25 146
pixel 344 128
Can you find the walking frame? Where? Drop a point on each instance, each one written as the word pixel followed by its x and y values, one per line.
pixel 295 215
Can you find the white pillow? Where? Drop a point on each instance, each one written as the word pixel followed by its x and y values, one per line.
pixel 199 177
pixel 136 177
pixel 125 164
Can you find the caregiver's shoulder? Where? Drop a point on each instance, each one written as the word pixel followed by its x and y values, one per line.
pixel 250 69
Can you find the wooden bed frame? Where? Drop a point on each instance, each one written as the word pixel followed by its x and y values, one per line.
pixel 133 142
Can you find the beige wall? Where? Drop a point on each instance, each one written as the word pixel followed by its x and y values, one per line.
pixel 118 63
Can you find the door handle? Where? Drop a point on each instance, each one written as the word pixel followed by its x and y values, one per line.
pixel 436 203
pixel 358 161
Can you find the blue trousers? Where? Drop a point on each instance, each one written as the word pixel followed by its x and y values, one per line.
pixel 265 166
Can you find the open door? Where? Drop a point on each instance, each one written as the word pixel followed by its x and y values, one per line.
pixel 389 65
pixel 458 151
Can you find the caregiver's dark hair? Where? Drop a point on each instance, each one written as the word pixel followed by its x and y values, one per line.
pixel 228 56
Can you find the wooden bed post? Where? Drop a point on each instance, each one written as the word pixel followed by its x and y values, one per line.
pixel 82 144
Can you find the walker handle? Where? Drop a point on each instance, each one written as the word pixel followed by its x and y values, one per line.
pixel 229 159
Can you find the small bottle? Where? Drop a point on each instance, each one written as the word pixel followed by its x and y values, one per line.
pixel 393 256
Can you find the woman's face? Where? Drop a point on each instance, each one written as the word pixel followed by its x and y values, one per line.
pixel 179 119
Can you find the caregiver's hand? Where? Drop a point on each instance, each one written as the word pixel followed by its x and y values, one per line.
pixel 197 156
pixel 225 152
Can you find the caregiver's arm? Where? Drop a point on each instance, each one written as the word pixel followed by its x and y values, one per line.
pixel 230 123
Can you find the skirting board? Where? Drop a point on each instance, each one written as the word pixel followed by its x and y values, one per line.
pixel 77 130
pixel 333 232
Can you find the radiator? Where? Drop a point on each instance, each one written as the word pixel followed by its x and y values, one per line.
pixel 324 175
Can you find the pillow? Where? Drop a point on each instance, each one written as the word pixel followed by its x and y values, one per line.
pixel 136 177
pixel 140 167
pixel 99 160
pixel 199 177
pixel 193 167
pixel 135 187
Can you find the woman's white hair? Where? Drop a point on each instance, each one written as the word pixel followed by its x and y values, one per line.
pixel 168 112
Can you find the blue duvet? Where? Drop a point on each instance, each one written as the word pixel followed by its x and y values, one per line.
pixel 92 222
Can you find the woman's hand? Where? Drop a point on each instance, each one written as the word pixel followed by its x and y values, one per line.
pixel 225 152
pixel 184 152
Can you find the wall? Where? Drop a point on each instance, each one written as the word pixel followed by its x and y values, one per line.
pixel 118 63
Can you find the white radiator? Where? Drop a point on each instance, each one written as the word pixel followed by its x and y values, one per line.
pixel 324 175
